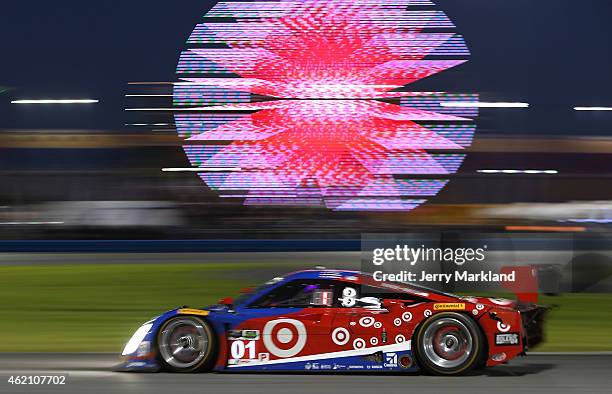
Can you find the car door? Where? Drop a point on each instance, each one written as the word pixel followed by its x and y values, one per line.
pixel 369 323
pixel 289 321
pixel 362 315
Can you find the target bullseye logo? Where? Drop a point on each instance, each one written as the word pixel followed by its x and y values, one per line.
pixel 359 343
pixel 367 321
pixel 341 336
pixel 503 327
pixel 284 337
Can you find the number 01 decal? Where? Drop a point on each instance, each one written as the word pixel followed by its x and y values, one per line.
pixel 240 349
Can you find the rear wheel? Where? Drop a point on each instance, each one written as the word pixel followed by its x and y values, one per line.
pixel 449 344
pixel 186 344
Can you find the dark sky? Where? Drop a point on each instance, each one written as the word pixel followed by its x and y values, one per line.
pixel 554 54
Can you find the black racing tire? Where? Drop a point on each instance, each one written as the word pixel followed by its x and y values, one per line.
pixel 186 344
pixel 449 344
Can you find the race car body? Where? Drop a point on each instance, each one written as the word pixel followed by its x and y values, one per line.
pixel 324 320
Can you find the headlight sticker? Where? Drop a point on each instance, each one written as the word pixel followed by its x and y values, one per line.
pixel 137 338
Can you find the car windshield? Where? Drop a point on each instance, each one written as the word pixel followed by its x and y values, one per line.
pixel 245 296
pixel 242 298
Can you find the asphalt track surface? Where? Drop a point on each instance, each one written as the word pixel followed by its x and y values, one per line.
pixel 92 373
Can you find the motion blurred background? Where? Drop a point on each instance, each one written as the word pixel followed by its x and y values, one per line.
pixel 95 237
pixel 94 171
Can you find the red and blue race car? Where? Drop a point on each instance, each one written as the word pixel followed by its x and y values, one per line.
pixel 328 320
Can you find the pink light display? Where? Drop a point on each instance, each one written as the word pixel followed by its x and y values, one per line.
pixel 306 102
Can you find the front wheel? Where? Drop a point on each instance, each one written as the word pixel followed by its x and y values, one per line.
pixel 186 344
pixel 449 344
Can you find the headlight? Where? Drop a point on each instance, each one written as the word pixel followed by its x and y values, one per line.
pixel 138 336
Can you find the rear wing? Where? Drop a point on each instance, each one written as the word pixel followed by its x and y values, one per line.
pixel 526 284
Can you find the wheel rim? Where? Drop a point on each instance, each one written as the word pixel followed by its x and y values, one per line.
pixel 183 343
pixel 447 343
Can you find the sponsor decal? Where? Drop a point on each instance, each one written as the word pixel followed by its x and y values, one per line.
pixel 503 327
pixel 276 341
pixel 511 338
pixel 378 325
pixel 397 322
pixel 479 307
pixel 251 335
pixel 390 360
pixel 362 353
pixel 374 341
pixel 264 357
pixel 189 311
pixel 456 306
pixel 367 321
pixel 400 339
pixel 427 313
pixel 474 312
pixel 340 336
pixel 359 343
pixel 238 362
pixel 349 297
pixel 242 349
